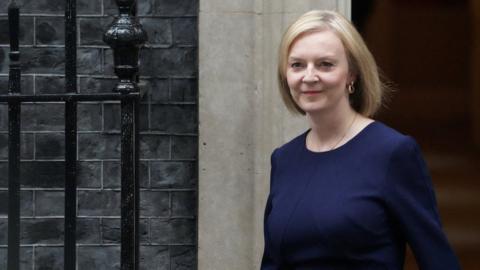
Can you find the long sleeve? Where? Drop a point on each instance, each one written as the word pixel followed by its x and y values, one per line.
pixel 411 200
pixel 268 262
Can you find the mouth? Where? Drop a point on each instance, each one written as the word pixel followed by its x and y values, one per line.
pixel 311 92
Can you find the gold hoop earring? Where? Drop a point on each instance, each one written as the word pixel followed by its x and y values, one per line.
pixel 350 88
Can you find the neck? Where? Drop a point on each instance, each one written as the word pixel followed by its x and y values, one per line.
pixel 329 129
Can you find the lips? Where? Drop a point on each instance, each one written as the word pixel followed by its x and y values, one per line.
pixel 311 92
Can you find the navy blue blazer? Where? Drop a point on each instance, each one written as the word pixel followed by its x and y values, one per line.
pixel 354 207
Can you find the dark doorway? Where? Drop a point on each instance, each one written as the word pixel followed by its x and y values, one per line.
pixel 425 49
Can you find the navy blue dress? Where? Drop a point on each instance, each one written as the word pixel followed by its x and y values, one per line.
pixel 354 207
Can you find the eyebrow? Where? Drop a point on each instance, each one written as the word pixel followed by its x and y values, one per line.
pixel 329 58
pixel 294 59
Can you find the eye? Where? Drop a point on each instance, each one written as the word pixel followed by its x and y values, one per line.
pixel 326 64
pixel 296 65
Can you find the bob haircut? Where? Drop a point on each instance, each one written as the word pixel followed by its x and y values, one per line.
pixel 369 90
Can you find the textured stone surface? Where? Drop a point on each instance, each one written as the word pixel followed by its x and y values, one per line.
pixel 54 7
pixel 184 147
pixel 183 203
pixel 96 85
pixel 26 146
pixel 26 205
pixel 184 90
pixel 185 30
pixel 50 31
pixel 154 147
pixel 111 230
pixel 4 60
pixel 99 257
pixel 173 231
pixel 158 90
pixel 49 84
pixel 244 129
pixel 168 138
pixel 154 257
pixel 49 258
pixel 89 174
pixel 25 34
pixel 89 61
pixel 159 31
pixel 111 117
pixel 92 29
pixel 98 146
pixel 3 231
pixel 42 231
pixel 183 258
pixel 174 118
pixel 89 117
pixel 111 174
pixel 3 117
pixel 50 203
pixel 88 7
pixel 173 174
pixel 26 83
pixel 26 255
pixel 155 204
pixel 50 145
pixel 42 174
pixel 43 60
pixel 169 62
pixel 176 7
pixel 88 231
pixel 99 203
pixel 143 7
pixel 4 6
pixel 42 117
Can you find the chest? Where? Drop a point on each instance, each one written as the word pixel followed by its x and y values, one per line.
pixel 331 209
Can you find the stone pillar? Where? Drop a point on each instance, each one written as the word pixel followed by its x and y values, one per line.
pixel 242 119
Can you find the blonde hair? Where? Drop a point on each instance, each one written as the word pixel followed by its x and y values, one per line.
pixel 369 89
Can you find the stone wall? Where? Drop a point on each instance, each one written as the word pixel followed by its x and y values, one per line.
pixel 168 123
pixel 242 119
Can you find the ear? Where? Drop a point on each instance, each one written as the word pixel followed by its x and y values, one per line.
pixel 352 77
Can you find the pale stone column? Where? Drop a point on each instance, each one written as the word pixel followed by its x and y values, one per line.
pixel 242 119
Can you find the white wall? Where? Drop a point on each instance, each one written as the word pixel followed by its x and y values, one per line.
pixel 242 119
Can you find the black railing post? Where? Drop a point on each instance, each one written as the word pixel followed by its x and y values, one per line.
pixel 126 36
pixel 14 142
pixel 70 136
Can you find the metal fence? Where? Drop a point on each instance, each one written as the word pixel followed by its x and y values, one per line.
pixel 126 36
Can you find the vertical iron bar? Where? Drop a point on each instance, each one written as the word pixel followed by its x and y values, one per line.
pixel 129 189
pixel 136 103
pixel 126 36
pixel 14 142
pixel 70 136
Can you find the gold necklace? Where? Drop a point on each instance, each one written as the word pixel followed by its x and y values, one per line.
pixel 344 134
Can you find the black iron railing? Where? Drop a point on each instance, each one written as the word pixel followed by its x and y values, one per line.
pixel 126 36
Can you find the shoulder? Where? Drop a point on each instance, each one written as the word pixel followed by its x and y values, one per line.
pixel 375 146
pixel 402 155
pixel 381 136
pixel 290 148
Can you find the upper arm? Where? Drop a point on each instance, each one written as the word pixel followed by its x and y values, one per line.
pixel 411 200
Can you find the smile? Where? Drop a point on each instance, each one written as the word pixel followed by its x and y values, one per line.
pixel 311 92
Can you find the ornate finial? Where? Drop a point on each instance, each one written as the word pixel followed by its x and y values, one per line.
pixel 125 36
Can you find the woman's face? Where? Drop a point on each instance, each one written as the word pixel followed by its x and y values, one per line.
pixel 317 72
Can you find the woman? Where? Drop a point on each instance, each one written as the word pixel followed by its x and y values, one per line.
pixel 350 192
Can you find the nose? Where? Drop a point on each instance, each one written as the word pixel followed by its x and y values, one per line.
pixel 310 75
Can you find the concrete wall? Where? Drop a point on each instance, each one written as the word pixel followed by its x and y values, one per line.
pixel 168 124
pixel 241 119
